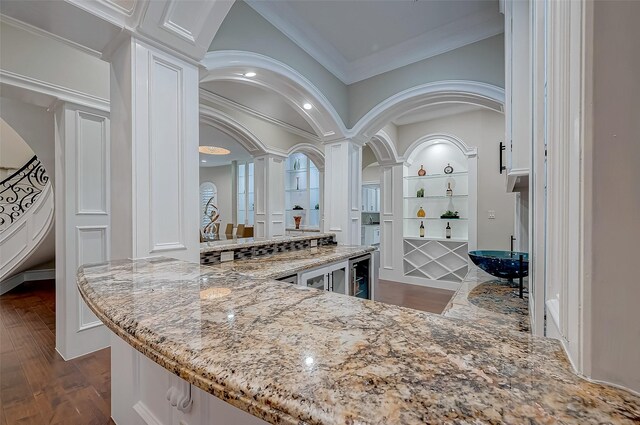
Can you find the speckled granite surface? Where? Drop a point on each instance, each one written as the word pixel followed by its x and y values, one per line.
pixel 292 355
pixel 487 301
pixel 285 264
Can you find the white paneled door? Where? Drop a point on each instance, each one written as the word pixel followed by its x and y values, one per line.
pixel 82 204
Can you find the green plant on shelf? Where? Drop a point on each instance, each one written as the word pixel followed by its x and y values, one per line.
pixel 450 214
pixel 420 193
pixel 317 206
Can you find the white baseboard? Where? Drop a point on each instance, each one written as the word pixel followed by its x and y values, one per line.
pixel 26 276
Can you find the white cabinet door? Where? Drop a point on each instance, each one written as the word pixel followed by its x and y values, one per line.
pixel 376 234
pixel 330 278
pixel 316 278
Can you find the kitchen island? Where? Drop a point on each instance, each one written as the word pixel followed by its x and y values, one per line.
pixel 286 354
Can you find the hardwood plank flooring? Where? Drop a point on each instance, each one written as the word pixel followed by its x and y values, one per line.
pixel 417 297
pixel 36 385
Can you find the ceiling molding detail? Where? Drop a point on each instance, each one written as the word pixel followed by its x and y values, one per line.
pixel 237 131
pixel 296 90
pixel 223 101
pixel 44 94
pixel 448 37
pixel 383 146
pixel 313 152
pixel 459 91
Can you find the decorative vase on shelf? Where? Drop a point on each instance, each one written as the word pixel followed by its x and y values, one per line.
pixel 422 172
pixel 421 213
pixel 297 219
pixel 448 169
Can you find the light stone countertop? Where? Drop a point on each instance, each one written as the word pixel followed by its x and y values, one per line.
pixel 235 243
pixel 283 264
pixel 292 355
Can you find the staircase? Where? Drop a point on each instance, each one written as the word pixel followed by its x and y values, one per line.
pixel 26 222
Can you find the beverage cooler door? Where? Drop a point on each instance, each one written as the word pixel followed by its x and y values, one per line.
pixel 360 277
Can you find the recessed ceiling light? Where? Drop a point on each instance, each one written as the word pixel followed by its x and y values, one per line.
pixel 204 160
pixel 213 150
pixel 307 106
pixel 250 74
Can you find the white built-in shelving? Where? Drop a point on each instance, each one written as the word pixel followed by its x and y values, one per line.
pixel 302 187
pixel 433 256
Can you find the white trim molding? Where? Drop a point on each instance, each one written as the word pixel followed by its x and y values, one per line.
pixel 384 148
pixel 26 276
pixel 223 101
pixel 313 152
pixel 50 93
pixel 457 91
pixel 273 75
pixel 468 151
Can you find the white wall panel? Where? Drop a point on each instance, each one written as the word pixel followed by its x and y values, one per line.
pixel 82 202
pixel 91 162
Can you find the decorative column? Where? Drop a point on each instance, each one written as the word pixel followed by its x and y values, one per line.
pixel 83 227
pixel 343 190
pixel 268 173
pixel 391 222
pixel 154 115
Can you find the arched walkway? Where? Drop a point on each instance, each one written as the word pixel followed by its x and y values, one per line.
pixel 278 77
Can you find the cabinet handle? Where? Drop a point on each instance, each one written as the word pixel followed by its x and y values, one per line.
pixel 502 148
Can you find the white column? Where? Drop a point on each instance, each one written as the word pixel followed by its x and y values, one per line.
pixel 343 190
pixel 268 173
pixel 154 112
pixel 391 222
pixel 82 209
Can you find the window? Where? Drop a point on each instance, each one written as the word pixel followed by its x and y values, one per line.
pixel 245 193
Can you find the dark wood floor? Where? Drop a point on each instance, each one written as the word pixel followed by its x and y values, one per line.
pixel 36 385
pixel 417 297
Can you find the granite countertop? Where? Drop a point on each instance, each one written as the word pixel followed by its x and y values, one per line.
pixel 235 243
pixel 283 264
pixel 487 301
pixel 293 355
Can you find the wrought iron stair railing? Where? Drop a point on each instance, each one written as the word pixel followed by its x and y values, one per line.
pixel 21 190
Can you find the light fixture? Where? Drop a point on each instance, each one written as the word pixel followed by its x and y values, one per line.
pixel 307 106
pixel 250 74
pixel 203 160
pixel 213 150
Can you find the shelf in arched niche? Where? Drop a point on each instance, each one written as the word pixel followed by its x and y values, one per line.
pixel 448 184
pixel 302 188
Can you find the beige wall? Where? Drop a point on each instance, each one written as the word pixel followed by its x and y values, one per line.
pixel 615 229
pixel 221 177
pixel 35 126
pixel 14 151
pixel 482 129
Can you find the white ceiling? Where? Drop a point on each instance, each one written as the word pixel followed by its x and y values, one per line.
pixel 260 100
pixel 357 39
pixel 210 136
pixel 432 112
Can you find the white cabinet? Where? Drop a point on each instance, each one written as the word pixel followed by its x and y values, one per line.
pixel 370 235
pixel 330 278
pixel 371 198
pixel 518 77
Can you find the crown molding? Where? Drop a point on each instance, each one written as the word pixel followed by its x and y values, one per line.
pixel 223 101
pixel 448 37
pixel 5 19
pixel 55 92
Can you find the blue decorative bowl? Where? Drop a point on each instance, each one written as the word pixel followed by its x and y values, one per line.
pixel 503 264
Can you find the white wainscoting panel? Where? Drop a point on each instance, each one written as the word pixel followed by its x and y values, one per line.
pixel 83 221
pixel 91 162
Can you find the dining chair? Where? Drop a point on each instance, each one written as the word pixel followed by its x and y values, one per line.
pixel 248 232
pixel 228 231
pixel 240 231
